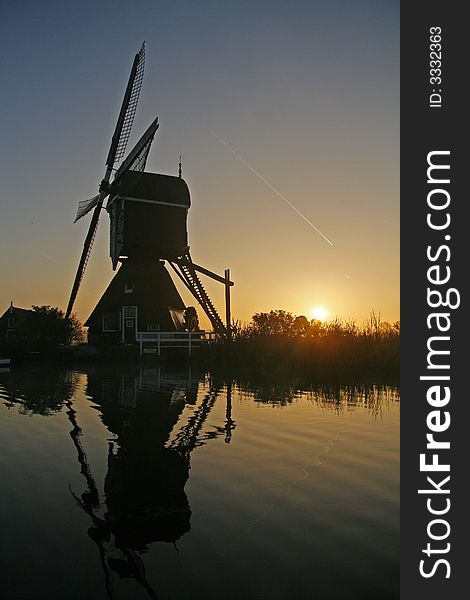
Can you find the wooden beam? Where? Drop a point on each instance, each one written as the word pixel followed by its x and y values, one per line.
pixel 212 275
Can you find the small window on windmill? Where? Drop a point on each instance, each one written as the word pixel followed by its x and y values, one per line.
pixel 11 322
pixel 153 327
pixel 128 288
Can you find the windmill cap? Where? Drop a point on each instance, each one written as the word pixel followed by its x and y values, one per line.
pixel 153 186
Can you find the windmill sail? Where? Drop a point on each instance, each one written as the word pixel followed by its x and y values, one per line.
pixel 116 151
pixel 141 159
pixel 87 246
pixel 139 152
pixel 84 207
pixel 128 108
pixel 133 100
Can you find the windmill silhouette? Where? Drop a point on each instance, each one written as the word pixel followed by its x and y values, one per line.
pixel 148 225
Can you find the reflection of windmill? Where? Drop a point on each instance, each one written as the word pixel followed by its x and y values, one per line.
pixel 144 486
pixel 148 215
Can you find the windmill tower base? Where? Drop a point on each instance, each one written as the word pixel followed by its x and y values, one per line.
pixel 140 298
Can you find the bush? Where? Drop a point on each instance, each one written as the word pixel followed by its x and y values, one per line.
pixel 279 341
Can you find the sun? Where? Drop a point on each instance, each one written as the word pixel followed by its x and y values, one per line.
pixel 318 313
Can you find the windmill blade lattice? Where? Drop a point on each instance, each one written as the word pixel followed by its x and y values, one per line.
pixel 132 106
pixel 141 159
pixel 87 246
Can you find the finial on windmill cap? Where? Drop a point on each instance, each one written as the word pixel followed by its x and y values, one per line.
pixel 180 171
pixel 11 306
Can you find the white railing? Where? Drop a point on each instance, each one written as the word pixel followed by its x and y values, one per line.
pixel 173 339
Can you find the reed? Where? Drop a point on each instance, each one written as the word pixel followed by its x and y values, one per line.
pixel 280 341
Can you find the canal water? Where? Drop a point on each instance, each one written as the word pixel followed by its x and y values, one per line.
pixel 129 483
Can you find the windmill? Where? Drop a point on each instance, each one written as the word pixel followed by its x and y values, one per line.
pixel 148 225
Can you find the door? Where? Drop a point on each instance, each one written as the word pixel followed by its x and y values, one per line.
pixel 129 324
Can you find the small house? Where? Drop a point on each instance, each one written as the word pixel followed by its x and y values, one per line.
pixel 14 324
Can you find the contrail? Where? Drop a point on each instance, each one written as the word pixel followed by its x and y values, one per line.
pixel 272 188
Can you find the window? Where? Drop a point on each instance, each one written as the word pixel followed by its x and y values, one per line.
pixel 129 322
pixel 153 327
pixel 130 312
pixel 111 321
pixel 128 288
pixel 11 322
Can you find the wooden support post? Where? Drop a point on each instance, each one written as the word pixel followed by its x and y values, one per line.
pixel 228 317
pixel 189 344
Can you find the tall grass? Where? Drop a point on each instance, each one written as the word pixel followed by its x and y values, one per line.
pixel 280 342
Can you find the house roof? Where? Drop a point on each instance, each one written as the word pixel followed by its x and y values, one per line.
pixel 16 311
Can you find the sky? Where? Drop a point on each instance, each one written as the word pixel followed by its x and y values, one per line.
pixel 286 115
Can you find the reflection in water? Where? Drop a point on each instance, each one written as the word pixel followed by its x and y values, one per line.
pixel 336 397
pixel 157 421
pixel 38 391
pixel 144 497
pixel 145 501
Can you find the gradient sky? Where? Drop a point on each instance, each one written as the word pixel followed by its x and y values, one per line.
pixel 307 93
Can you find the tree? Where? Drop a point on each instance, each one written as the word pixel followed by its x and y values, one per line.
pixel 48 326
pixel 301 326
pixel 276 322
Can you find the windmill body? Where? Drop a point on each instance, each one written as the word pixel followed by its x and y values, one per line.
pixel 148 225
pixel 148 214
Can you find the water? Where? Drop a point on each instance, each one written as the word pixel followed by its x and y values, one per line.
pixel 134 483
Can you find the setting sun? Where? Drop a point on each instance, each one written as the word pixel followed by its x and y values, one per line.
pixel 319 313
